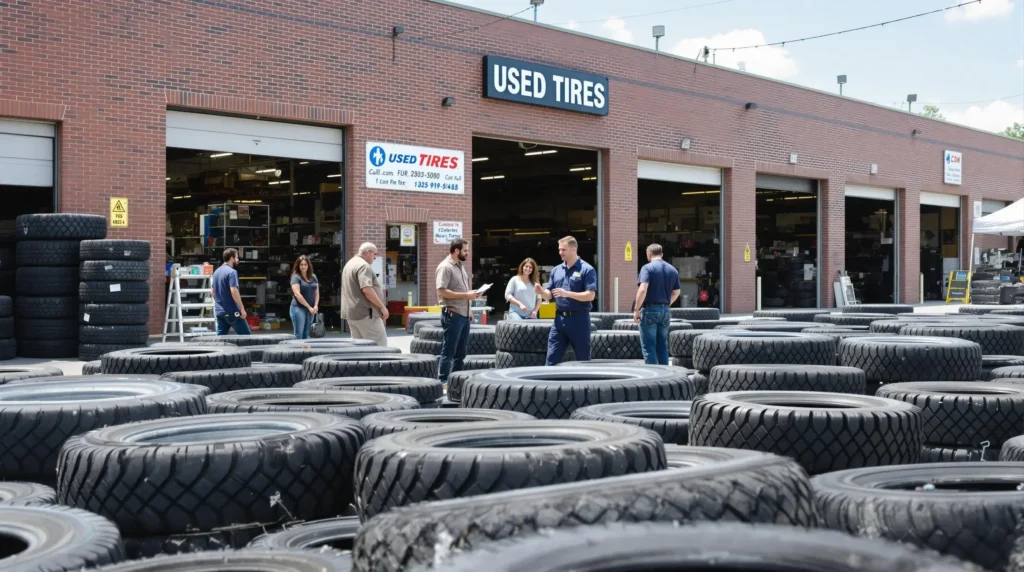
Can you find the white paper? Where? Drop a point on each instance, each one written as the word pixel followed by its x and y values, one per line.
pixel 233 215
pixel 115 287
pixel 483 288
pixel 108 267
pixel 85 317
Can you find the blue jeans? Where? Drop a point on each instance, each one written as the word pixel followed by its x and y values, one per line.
pixel 654 322
pixel 227 321
pixel 301 321
pixel 454 343
pixel 515 315
pixel 573 330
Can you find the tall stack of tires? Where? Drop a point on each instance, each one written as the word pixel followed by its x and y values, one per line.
pixel 8 346
pixel 7 264
pixel 46 282
pixel 114 288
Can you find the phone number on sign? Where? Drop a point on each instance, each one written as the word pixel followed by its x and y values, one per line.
pixel 440 186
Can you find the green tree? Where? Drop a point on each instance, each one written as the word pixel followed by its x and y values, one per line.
pixel 932 112
pixel 1016 131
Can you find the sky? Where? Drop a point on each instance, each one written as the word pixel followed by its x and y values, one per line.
pixel 969 61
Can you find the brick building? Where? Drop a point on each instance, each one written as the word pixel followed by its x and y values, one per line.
pixel 106 75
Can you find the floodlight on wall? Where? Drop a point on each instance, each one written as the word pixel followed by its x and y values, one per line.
pixel 685 143
pixel 536 4
pixel 841 80
pixel 448 101
pixel 911 98
pixel 874 169
pixel 750 106
pixel 658 32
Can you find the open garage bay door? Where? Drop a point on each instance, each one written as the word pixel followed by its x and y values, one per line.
pixel 675 173
pixel 872 246
pixel 940 200
pixel 253 137
pixel 26 153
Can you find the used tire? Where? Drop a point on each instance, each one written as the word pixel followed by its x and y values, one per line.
pixel 878 309
pixel 945 454
pixel 822 431
pixel 295 354
pixel 369 364
pixel 351 404
pixel 412 319
pixel 894 326
pixel 970 510
pixel 989 363
pixel 113 292
pixel 160 360
pixel 792 314
pixel 125 335
pixel 258 376
pixel 457 381
pixel 481 338
pixel 249 559
pixel 711 546
pixel 523 336
pixel 673 326
pixel 428 347
pixel 729 348
pixel 55 348
pixel 684 457
pixel 242 341
pixel 1013 450
pixel 337 533
pixel 48 329
pixel 10 373
pixel 170 544
pixel 377 424
pixel 57 539
pixel 36 419
pixel 6 306
pixel 505 360
pixel 94 367
pixel 694 313
pixel 680 343
pixel 480 362
pixel 424 324
pixel 554 393
pixel 478 458
pixel 615 344
pixel 413 536
pixel 54 307
pixel 993 339
pixel 46 281
pixel 829 379
pixel 254 468
pixel 758 326
pixel 113 314
pixel 422 389
pixel 856 319
pixel 114 270
pixel 606 319
pixel 669 419
pixel 963 414
pixel 111 249
pixel 911 358
pixel 47 252
pixel 68 226
pixel 26 494
pixel 317 342
pixel 90 351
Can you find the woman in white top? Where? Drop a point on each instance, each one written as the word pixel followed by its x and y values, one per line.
pixel 520 294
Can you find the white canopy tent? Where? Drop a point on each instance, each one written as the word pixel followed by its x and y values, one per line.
pixel 1008 221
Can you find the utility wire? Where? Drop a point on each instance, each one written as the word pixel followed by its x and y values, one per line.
pixel 878 25
pixel 471 28
pixel 692 6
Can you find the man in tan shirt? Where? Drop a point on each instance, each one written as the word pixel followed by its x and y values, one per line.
pixel 362 299
pixel 454 296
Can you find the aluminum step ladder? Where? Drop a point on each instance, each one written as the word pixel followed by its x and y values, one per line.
pixel 189 305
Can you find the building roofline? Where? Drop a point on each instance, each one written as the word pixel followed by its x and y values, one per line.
pixel 587 36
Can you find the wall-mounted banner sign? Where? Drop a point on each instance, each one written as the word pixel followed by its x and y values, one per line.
pixel 413 168
pixel 537 84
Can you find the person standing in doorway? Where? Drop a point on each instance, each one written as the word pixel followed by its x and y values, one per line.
pixel 227 301
pixel 657 289
pixel 454 296
pixel 362 298
pixel 573 286
pixel 305 297
pixel 522 299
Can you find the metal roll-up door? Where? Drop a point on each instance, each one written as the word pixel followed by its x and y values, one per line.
pixel 26 153
pixel 253 137
pixel 676 173
pixel 792 184
pixel 990 206
pixel 877 193
pixel 940 200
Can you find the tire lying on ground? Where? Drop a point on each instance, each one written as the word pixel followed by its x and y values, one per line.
pixel 369 364
pixel 228 469
pixel 457 381
pixel 238 340
pixel 505 360
pixel 413 536
pixel 57 539
pixel 424 324
pixel 472 459
pixel 702 547
pixel 423 389
pixel 680 343
pixel 728 348
pixel 250 559
pixel 822 431
pixel 967 510
pixel 947 454
pixel 352 404
pixel 694 313
pixel 91 379
pixel 684 457
pixel 792 314
pixel 878 309
pixel 294 354
pixel 855 319
pixel 606 319
pixel 963 414
pixel 1005 372
pixel 37 418
pixel 16 372
pixel 26 494
pixel 615 344
pixel 166 360
pixel 411 320
pixel 912 358
pixel 189 542
pixel 429 347
pixel 830 379
pixel 254 377
pixel 673 326
pixel 481 338
pixel 317 342
pixel 709 324
pixel 377 424
pixel 769 326
pixel 993 339
pixel 478 362
pixel 554 393
pixel 669 419
pixel 337 533
pixel 1013 450
pixel 971 309
pixel 526 336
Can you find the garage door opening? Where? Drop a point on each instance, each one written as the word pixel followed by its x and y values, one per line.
pixel 271 205
pixel 525 197
pixel 685 219
pixel 940 242
pixel 871 247
pixel 787 241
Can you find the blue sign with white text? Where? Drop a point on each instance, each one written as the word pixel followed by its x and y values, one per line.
pixel 538 84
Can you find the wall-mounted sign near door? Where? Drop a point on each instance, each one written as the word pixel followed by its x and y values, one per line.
pixel 538 84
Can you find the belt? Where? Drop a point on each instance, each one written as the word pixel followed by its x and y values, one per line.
pixel 655 305
pixel 574 313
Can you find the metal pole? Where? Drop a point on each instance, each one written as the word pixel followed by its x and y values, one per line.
pixel 534 12
pixel 615 289
pixel 920 288
pixel 656 42
pixel 840 89
pixel 758 292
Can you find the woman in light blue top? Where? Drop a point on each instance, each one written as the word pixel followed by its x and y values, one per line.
pixel 305 297
pixel 520 294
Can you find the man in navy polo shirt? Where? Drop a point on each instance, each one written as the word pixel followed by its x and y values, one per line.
pixel 657 289
pixel 573 285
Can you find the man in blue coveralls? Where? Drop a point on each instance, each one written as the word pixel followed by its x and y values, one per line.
pixel 573 285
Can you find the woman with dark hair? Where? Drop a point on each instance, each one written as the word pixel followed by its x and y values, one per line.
pixel 520 294
pixel 305 297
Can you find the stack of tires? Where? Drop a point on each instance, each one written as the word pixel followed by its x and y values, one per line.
pixel 114 288
pixel 8 346
pixel 8 265
pixel 46 282
pixel 430 338
pixel 523 343
pixel 985 291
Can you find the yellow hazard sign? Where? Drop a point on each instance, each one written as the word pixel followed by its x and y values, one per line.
pixel 629 252
pixel 746 253
pixel 119 212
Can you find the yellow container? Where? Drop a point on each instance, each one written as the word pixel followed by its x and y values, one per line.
pixel 546 311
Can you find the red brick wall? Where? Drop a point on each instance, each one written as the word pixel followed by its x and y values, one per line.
pixel 116 65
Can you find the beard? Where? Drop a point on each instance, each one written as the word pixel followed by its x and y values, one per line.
pixel 462 257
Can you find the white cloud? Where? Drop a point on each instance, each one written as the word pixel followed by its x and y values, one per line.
pixel 980 11
pixel 994 116
pixel 773 61
pixel 615 28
